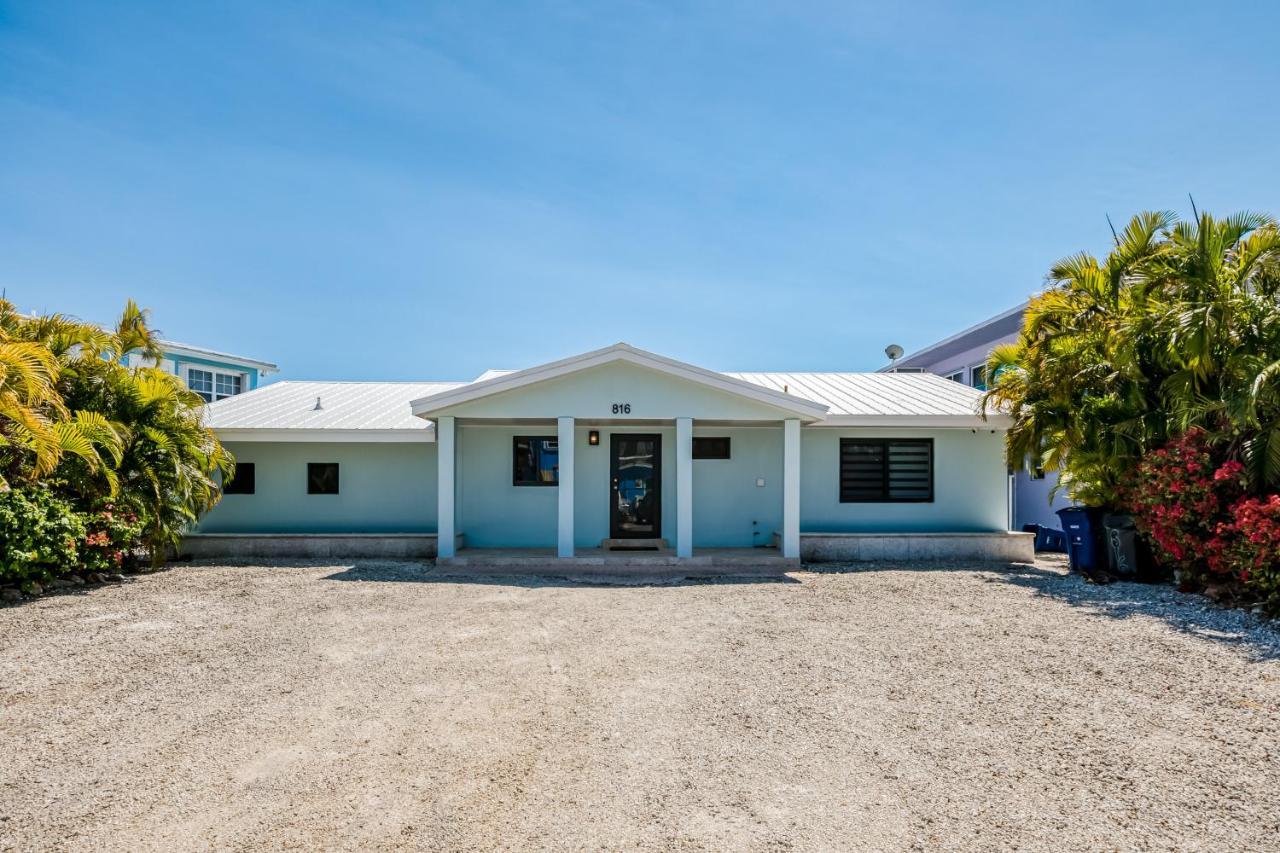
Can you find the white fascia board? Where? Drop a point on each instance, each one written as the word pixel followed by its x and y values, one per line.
pixel 423 406
pixel 997 422
pixel 263 367
pixel 286 436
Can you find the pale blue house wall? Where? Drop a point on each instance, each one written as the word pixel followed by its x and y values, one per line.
pixel 491 512
pixel 729 509
pixel 970 485
pixel 383 488
pixel 391 487
pixel 494 513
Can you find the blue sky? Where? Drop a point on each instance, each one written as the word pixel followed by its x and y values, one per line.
pixel 422 191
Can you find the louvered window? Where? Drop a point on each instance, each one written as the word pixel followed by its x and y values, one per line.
pixel 886 470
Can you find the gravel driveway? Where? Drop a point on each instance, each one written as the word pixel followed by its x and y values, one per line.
pixel 378 706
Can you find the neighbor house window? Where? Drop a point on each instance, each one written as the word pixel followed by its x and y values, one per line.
pixel 242 482
pixel 886 470
pixel 958 376
pixel 978 376
pixel 201 381
pixel 322 478
pixel 214 385
pixel 707 447
pixel 536 460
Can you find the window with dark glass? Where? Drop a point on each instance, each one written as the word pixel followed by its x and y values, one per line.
pixel 536 460
pixel 886 470
pixel 322 478
pixel 978 376
pixel 242 481
pixel 710 447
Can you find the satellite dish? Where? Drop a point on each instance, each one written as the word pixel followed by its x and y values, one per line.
pixel 893 351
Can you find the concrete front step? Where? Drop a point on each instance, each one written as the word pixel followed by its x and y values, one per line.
pixel 722 561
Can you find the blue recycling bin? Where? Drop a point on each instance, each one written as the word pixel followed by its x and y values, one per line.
pixel 1083 528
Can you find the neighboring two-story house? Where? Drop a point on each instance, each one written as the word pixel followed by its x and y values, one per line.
pixel 212 374
pixel 963 358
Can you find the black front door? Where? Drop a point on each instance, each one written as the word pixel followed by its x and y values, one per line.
pixel 635 491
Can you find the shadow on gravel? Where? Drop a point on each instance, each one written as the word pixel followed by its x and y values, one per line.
pixel 425 573
pixel 1190 614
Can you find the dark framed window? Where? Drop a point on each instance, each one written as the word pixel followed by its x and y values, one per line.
pixel 242 482
pixel 886 470
pixel 322 478
pixel 710 447
pixel 535 460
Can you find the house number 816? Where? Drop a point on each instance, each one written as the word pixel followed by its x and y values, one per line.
pixel 622 408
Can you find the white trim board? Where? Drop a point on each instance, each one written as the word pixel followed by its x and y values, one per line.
pixel 373 436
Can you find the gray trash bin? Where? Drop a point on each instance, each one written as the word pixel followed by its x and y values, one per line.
pixel 1122 545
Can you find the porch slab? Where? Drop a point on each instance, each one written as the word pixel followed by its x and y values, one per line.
pixel 997 546
pixel 596 561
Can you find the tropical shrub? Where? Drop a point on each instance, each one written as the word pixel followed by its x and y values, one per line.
pixel 116 456
pixel 1177 328
pixel 112 539
pixel 1181 494
pixel 40 535
pixel 1246 549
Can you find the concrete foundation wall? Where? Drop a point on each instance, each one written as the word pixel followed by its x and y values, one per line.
pixel 247 545
pixel 856 547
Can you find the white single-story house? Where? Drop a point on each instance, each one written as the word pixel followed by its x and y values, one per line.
pixel 615 450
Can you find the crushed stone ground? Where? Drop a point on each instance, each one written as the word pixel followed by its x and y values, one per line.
pixel 378 705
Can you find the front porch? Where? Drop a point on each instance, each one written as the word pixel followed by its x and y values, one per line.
pixel 602 493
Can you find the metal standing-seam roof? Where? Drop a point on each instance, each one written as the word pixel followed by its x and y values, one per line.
pixel 287 410
pixel 291 405
pixel 874 396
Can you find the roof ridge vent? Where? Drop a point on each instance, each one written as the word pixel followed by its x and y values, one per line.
pixel 317 407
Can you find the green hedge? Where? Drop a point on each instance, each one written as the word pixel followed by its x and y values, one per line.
pixel 43 536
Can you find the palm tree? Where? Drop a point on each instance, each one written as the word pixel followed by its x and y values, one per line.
pixel 1179 327
pixel 36 428
pixel 1073 381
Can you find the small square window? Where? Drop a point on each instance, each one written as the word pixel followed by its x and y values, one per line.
pixel 242 482
pixel 535 460
pixel 709 447
pixel 322 478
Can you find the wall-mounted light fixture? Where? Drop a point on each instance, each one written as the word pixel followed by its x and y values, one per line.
pixel 593 437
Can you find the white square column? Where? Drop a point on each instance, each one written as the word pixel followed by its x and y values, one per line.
pixel 684 487
pixel 564 488
pixel 445 461
pixel 791 488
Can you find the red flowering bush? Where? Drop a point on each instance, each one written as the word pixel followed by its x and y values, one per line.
pixel 112 540
pixel 1180 495
pixel 1247 548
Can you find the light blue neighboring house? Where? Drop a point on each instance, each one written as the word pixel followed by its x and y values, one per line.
pixel 617 449
pixel 212 374
pixel 962 358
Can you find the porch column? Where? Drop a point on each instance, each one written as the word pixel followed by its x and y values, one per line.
pixel 684 487
pixel 445 444
pixel 791 488
pixel 564 488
